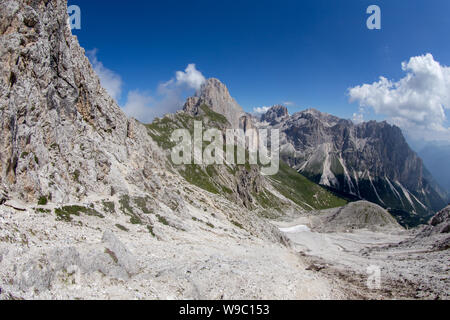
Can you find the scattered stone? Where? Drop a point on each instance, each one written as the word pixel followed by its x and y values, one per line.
pixel 315 267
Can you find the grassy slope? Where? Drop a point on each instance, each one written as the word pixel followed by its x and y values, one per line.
pixel 299 189
pixel 288 182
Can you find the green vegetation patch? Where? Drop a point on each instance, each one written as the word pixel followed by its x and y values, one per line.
pixel 66 213
pixel 42 201
pixel 162 220
pixel 195 175
pixel 135 220
pixel 209 224
pixel 41 210
pixel 300 190
pixel 121 227
pixel 237 224
pixel 150 229
pixel 267 200
pixel 214 116
pixel 142 204
pixel 125 205
pixel 126 208
pixel 76 176
pixel 109 206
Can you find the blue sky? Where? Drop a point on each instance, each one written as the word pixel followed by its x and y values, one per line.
pixel 267 52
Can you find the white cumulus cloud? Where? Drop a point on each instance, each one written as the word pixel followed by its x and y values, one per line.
pixel 416 103
pixel 142 105
pixel 190 77
pixel 260 110
pixel 169 98
pixel 110 80
pixel 139 105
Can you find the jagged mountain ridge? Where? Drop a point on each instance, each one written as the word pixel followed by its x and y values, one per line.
pixel 371 160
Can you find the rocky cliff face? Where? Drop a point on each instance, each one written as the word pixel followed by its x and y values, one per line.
pixel 370 161
pixel 215 94
pixel 62 136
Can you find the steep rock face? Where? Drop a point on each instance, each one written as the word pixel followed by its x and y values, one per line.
pixel 62 135
pixel 369 161
pixel 214 94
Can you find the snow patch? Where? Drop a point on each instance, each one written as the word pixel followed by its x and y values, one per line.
pixel 295 229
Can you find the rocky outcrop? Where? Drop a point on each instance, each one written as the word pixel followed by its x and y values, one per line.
pixel 442 216
pixel 440 223
pixel 110 258
pixel 215 95
pixel 62 135
pixel 355 216
pixel 436 235
pixel 3 194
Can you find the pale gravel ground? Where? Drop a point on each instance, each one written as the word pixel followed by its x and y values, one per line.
pixel 406 271
pixel 224 262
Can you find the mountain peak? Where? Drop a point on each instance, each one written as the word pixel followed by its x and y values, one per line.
pixel 213 84
pixel 275 114
pixel 215 95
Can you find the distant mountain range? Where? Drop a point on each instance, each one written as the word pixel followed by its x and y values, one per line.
pixel 370 161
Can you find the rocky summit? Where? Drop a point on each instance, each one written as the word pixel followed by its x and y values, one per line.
pixel 92 207
pixel 214 94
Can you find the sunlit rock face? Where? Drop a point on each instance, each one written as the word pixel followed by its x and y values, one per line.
pixel 61 134
pixel 214 94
